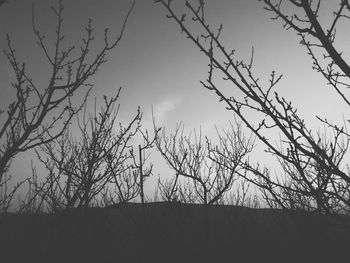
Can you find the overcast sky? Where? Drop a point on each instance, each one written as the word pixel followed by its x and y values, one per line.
pixel 156 65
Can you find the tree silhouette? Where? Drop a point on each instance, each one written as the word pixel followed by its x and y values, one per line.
pixel 315 177
pixel 40 115
pixel 210 169
pixel 97 165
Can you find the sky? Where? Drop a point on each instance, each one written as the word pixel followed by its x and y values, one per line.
pixel 156 66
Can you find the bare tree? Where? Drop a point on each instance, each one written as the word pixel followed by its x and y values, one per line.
pixel 311 161
pixel 209 175
pixel 40 115
pixel 98 165
pixel 32 202
pixel 128 185
pixel 242 196
pixel 143 171
pixel 81 169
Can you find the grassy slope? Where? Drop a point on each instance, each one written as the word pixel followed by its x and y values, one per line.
pixel 170 232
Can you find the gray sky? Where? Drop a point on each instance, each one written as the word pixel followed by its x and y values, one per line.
pixel 156 65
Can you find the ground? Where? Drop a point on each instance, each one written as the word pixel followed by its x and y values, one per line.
pixel 172 232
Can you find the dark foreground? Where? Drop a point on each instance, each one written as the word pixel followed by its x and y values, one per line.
pixel 172 232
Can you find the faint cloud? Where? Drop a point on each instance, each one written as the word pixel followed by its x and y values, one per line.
pixel 163 108
pixel 161 112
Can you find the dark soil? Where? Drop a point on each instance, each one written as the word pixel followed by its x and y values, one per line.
pixel 173 232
